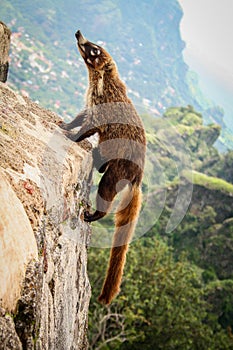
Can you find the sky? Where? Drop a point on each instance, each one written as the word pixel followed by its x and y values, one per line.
pixel 207 29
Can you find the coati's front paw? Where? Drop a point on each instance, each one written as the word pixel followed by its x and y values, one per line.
pixel 70 135
pixel 63 125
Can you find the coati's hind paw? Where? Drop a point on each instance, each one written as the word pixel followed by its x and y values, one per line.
pixel 87 216
pixel 93 217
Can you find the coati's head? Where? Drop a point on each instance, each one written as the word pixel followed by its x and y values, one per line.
pixel 95 57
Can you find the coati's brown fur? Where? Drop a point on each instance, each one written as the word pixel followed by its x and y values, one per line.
pixel 120 154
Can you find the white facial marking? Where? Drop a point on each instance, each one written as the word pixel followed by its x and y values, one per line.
pixel 89 61
pixel 82 47
pixel 100 84
pixel 95 52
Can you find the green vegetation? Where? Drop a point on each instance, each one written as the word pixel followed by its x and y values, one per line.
pixel 161 306
pixel 209 182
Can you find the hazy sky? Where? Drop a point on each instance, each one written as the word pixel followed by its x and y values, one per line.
pixel 207 28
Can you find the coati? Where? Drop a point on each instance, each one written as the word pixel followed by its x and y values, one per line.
pixel 120 154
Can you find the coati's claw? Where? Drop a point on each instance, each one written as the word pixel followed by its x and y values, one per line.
pixel 66 132
pixel 62 125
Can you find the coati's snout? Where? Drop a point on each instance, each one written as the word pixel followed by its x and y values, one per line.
pixel 94 55
pixel 82 41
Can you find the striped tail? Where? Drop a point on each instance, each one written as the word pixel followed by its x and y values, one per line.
pixel 125 222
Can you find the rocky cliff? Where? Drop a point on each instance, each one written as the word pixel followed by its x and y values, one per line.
pixel 44 288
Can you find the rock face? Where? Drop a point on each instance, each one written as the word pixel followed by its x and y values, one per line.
pixel 44 288
pixel 5 34
pixel 18 244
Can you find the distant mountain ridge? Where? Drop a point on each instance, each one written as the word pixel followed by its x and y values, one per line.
pixel 144 40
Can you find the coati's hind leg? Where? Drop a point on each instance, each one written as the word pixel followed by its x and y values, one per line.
pixel 105 196
pixel 106 193
pixel 99 162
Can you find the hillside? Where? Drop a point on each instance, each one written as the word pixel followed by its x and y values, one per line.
pixel 144 40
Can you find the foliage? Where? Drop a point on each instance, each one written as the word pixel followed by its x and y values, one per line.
pixel 219 294
pixel 210 182
pixel 161 305
pixel 223 168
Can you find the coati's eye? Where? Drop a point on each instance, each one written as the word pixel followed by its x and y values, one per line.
pixel 95 52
